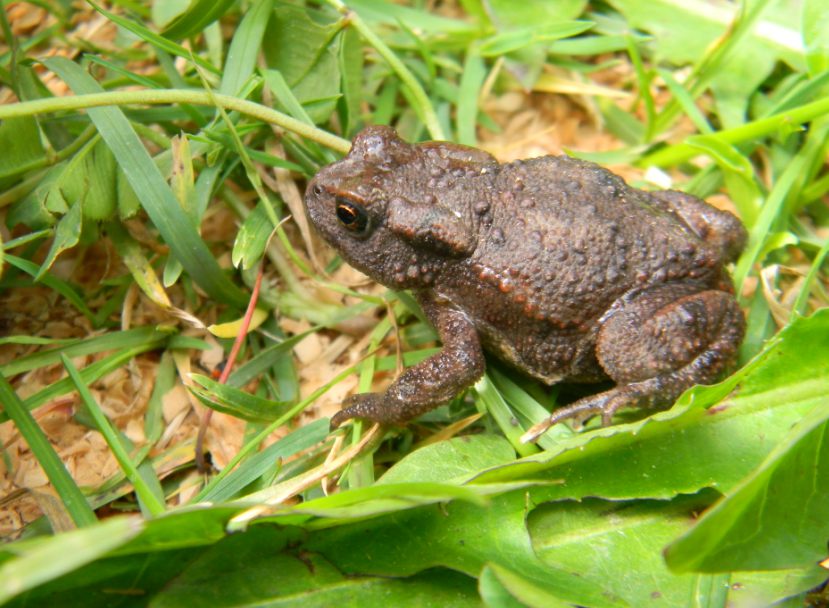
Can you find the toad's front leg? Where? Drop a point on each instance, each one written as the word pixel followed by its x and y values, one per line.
pixel 431 382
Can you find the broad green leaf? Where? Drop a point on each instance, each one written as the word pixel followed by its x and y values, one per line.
pixel 21 145
pixel 303 51
pixel 150 186
pixel 776 518
pixel 460 536
pixel 516 590
pixel 275 576
pixel 739 422
pixel 110 581
pixel 684 31
pixel 99 175
pixel 42 560
pixel 613 544
pixel 198 16
pixel 453 460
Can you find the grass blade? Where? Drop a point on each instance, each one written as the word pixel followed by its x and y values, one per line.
pixel 144 492
pixel 73 500
pixel 155 195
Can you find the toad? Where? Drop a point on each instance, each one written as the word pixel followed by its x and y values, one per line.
pixel 552 264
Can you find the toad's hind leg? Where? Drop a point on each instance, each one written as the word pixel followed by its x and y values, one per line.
pixel 655 344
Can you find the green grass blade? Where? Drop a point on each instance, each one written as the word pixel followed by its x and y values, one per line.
pixel 90 373
pixel 244 48
pixel 198 16
pixel 155 39
pixel 155 195
pixel 117 340
pixel 474 73
pixel 258 464
pixel 73 500
pixel 52 282
pixel 142 490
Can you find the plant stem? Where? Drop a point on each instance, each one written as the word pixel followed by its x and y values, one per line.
pixel 173 96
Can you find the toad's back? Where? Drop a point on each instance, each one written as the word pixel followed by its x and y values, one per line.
pixel 560 242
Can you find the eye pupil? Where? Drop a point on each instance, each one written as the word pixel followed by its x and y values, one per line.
pixel 347 215
pixel 352 216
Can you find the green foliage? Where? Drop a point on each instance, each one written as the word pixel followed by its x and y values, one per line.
pixel 719 501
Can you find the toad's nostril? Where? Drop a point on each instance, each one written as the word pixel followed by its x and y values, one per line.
pixel 317 189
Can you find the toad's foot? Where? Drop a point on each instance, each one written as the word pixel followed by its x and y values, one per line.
pixel 604 404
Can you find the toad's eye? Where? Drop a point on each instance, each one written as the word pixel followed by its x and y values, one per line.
pixel 353 216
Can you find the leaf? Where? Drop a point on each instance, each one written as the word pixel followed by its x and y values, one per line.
pixel 351 68
pixel 232 329
pixel 116 340
pixel 252 238
pixel 458 536
pixel 455 459
pixel 610 544
pixel 98 176
pixel 21 145
pixel 164 11
pixel 302 50
pixel 41 560
pixel 154 39
pixel 198 16
pixel 151 188
pixel 517 39
pixel 777 518
pixel 274 576
pixel 67 235
pixel 230 400
pixel 683 32
pixel 472 79
pixel 738 421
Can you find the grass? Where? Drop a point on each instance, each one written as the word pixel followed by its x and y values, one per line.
pixel 164 140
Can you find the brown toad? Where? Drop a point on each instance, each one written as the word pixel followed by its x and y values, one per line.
pixel 554 265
